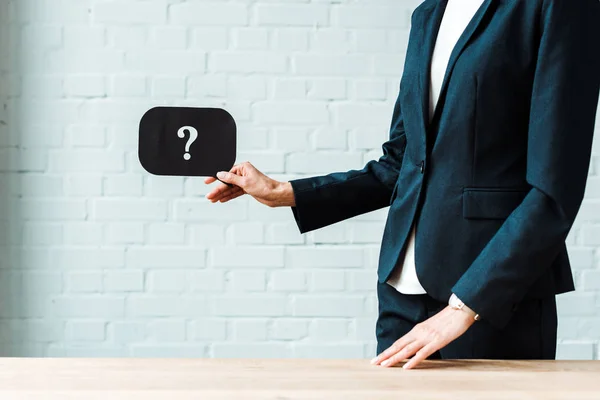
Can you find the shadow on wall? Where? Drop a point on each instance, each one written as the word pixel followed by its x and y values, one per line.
pixel 10 281
pixel 17 317
pixel 8 269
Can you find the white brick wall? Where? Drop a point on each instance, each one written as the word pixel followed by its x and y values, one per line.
pixel 100 259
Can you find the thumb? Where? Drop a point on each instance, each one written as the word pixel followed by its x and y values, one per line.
pixel 229 177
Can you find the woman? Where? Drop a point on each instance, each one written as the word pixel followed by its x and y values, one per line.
pixel 484 171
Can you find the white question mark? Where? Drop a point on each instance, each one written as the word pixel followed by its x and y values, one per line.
pixel 193 136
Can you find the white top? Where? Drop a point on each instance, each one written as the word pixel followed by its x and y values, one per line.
pixel 457 16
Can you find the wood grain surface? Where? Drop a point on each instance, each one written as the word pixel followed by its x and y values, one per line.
pixel 173 379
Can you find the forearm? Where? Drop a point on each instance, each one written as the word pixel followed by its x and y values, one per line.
pixel 325 200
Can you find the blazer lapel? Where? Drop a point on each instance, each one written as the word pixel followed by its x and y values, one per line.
pixel 456 52
pixel 431 19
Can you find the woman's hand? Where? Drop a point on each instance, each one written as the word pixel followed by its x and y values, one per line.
pixel 248 180
pixel 426 338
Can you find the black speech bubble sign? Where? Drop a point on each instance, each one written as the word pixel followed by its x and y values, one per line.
pixel 167 145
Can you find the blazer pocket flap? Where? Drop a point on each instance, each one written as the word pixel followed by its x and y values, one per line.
pixel 479 203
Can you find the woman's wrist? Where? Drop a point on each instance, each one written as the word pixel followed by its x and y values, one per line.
pixel 284 195
pixel 458 304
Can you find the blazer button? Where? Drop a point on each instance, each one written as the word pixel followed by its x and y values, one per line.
pixel 422 165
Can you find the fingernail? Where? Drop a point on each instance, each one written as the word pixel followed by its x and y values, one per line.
pixel 220 175
pixel 385 363
pixel 374 360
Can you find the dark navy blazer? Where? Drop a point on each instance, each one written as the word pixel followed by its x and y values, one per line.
pixel 495 181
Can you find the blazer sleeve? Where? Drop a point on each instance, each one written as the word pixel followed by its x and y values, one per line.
pixel 562 118
pixel 324 200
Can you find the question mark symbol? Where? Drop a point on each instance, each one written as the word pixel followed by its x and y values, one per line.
pixel 193 136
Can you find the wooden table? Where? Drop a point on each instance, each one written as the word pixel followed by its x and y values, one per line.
pixel 230 379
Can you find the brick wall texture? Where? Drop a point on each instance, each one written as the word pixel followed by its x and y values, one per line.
pixel 98 258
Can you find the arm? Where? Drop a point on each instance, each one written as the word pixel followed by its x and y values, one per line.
pixel 324 200
pixel 562 117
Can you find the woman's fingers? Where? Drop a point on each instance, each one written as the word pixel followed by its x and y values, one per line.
pixel 429 336
pixel 230 190
pixel 222 192
pixel 232 178
pixel 406 352
pixel 422 355
pixel 232 196
pixel 394 348
pixel 247 178
pixel 217 192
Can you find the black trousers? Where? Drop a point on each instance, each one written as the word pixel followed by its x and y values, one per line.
pixel 530 334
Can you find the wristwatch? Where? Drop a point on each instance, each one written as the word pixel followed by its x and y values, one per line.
pixel 457 304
